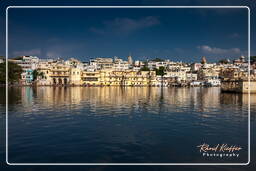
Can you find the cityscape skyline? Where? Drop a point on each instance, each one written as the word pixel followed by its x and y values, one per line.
pixel 145 33
pixel 132 82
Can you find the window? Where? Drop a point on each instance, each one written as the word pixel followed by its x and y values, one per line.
pixel 90 79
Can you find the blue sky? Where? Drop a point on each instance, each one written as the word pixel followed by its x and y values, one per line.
pixel 176 34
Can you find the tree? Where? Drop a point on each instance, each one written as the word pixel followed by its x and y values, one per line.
pixel 223 61
pixel 14 72
pixel 2 73
pixel 37 74
pixel 160 71
pixel 253 59
pixel 157 60
pixel 18 58
pixel 144 68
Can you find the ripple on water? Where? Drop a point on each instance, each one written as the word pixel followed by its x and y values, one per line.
pixel 84 124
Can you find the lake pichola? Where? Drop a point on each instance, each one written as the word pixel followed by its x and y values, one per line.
pixel 126 125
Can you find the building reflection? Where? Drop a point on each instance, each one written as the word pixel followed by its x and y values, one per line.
pixel 152 99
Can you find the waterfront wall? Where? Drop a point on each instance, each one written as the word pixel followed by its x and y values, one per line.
pixel 238 86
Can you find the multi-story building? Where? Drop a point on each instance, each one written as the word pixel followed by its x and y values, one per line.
pixel 195 66
pixel 26 62
pixel 118 78
pixel 191 76
pixel 180 76
pixel 239 61
pixel 157 64
pixel 28 65
pixel 91 78
pixel 207 73
pixel 121 66
pixel 233 73
pixel 59 74
pixel 27 77
pixel 102 63
pixel 118 72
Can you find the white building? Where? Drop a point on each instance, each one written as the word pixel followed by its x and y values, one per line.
pixel 213 82
pixel 178 75
pixel 1 60
pixel 191 76
pixel 102 63
pixel 121 66
pixel 196 66
pixel 26 62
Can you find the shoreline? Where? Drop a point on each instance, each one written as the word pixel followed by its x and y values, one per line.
pixel 103 86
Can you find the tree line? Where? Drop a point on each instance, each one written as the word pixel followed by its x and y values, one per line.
pixel 14 73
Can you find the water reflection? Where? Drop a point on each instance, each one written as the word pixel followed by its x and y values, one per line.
pixel 126 124
pixel 198 98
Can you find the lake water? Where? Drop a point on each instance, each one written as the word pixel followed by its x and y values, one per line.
pixel 123 125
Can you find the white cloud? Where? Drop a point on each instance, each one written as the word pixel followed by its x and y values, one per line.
pixel 215 50
pixel 32 52
pixel 126 25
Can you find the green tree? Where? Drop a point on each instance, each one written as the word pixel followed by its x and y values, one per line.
pixel 14 72
pixel 160 71
pixel 253 59
pixel 37 74
pixel 17 58
pixel 223 61
pixel 2 73
pixel 144 68
pixel 157 60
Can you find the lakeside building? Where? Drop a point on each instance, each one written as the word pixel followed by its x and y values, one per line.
pixel 28 65
pixel 27 77
pixel 196 66
pixel 236 80
pixel 118 72
pixel 239 85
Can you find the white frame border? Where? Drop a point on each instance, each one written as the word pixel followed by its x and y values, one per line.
pixel 207 164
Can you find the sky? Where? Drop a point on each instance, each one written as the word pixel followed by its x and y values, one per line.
pixel 84 33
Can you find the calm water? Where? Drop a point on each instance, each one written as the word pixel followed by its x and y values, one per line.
pixel 112 124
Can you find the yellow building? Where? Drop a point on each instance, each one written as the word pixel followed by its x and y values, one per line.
pixel 75 76
pixel 179 75
pixel 205 73
pixel 140 78
pixel 91 78
pixel 233 73
pixel 119 78
pixel 59 74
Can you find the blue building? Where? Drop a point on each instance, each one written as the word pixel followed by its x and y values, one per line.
pixel 27 76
